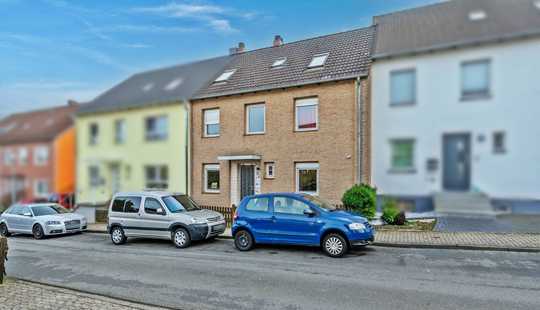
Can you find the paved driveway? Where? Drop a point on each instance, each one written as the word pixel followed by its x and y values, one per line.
pixel 213 275
pixel 510 223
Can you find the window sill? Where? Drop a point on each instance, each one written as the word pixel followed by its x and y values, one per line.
pixel 254 133
pixel 211 193
pixel 402 104
pixel 402 171
pixel 499 151
pixel 215 136
pixel 305 130
pixel 475 97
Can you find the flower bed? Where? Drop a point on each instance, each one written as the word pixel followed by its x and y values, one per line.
pixel 411 225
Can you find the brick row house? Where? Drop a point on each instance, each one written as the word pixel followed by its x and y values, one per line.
pixel 292 117
pixel 37 152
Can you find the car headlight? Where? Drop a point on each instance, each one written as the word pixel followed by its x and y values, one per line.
pixel 197 220
pixel 53 223
pixel 357 226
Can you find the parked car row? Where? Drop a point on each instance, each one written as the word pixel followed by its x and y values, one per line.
pixel 274 218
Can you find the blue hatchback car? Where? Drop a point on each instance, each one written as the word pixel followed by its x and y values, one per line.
pixel 299 219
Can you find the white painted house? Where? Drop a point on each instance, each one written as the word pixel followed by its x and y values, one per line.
pixel 456 106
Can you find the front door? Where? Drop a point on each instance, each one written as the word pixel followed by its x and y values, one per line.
pixel 456 162
pixel 247 180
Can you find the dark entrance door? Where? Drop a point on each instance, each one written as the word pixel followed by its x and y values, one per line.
pixel 456 162
pixel 247 180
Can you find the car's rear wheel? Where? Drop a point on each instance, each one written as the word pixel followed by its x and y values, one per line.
pixel 117 236
pixel 243 240
pixel 334 245
pixel 181 238
pixel 4 230
pixel 37 232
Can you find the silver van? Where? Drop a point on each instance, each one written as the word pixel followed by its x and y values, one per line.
pixel 162 215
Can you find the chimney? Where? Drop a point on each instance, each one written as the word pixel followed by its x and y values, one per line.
pixel 278 40
pixel 237 50
pixel 72 102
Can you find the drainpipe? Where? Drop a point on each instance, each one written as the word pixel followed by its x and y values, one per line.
pixel 187 147
pixel 359 130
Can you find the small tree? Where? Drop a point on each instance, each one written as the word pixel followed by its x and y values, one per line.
pixel 361 198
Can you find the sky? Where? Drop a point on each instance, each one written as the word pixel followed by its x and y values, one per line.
pixel 55 50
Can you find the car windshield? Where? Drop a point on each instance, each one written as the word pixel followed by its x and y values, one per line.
pixel 48 210
pixel 180 203
pixel 319 202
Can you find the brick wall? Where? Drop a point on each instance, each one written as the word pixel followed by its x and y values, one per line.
pixel 333 145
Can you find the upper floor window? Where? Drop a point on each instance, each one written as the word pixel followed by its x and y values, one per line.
pixel 211 123
pixel 41 155
pixel 157 177
pixel 156 128
pixel 255 118
pixel 475 78
pixel 225 75
pixel 23 156
pixel 307 114
pixel 94 133
pixel 402 154
pixel 9 157
pixel 318 60
pixel 403 87
pixel 120 131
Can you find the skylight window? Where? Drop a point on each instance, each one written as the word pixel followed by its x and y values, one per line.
pixel 225 75
pixel 537 4
pixel 318 60
pixel 148 87
pixel 477 15
pixel 174 84
pixel 280 62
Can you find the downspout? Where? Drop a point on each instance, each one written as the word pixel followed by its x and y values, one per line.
pixel 359 131
pixel 187 147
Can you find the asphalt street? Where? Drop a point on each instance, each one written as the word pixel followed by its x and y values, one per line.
pixel 213 275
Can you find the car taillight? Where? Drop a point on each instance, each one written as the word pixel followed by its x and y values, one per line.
pixel 235 216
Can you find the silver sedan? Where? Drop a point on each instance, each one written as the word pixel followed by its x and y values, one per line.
pixel 40 220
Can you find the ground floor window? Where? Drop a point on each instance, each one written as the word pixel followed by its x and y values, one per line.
pixel 270 170
pixel 211 178
pixel 93 176
pixel 307 178
pixel 402 151
pixel 41 188
pixel 157 177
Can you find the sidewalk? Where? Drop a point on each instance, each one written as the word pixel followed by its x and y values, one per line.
pixel 435 239
pixel 19 294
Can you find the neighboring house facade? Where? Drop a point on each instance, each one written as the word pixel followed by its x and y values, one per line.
pixel 37 154
pixel 288 118
pixel 135 136
pixel 455 104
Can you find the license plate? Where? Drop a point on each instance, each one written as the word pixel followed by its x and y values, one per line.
pixel 219 227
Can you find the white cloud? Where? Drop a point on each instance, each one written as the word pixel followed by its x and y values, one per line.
pixel 222 25
pixel 147 29
pixel 182 10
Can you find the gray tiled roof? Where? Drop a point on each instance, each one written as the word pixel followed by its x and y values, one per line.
pixel 177 83
pixel 447 24
pixel 349 57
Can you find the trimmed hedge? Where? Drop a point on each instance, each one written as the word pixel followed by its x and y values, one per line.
pixel 361 198
pixel 3 257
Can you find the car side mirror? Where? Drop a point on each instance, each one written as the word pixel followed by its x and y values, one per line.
pixel 27 214
pixel 309 212
pixel 160 211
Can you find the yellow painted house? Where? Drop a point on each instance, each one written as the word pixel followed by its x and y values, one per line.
pixel 135 136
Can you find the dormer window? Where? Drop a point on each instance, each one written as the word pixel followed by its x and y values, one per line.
pixel 280 62
pixel 477 15
pixel 225 76
pixel 318 60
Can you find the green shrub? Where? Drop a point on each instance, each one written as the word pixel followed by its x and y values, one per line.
pixel 361 198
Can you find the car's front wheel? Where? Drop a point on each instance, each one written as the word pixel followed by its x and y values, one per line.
pixel 181 238
pixel 334 245
pixel 4 232
pixel 117 236
pixel 243 240
pixel 37 232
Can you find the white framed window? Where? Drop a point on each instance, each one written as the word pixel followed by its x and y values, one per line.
pixel 280 62
pixel 403 87
pixel 211 178
pixel 270 170
pixel 23 156
pixel 402 154
pixel 9 157
pixel 307 178
pixel 475 78
pixel 120 131
pixel 41 155
pixel 211 123
pixel 225 75
pixel 318 60
pixel 156 128
pixel 156 177
pixel 41 188
pixel 94 178
pixel 255 118
pixel 93 134
pixel 306 114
